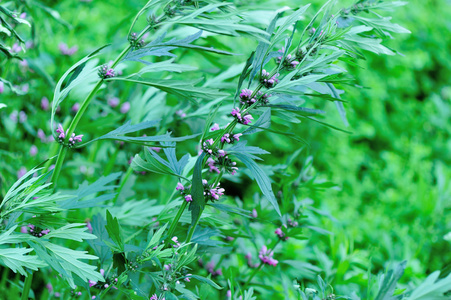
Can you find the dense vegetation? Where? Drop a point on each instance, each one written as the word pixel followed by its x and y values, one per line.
pixel 336 187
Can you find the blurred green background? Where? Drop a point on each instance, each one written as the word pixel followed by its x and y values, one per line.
pixel 393 197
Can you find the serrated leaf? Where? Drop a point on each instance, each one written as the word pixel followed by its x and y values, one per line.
pixel 184 89
pixel 17 259
pixel 262 179
pixel 160 48
pixel 387 288
pixel 114 231
pixel 119 134
pixel 74 231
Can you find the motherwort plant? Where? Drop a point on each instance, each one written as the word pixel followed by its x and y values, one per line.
pixel 149 249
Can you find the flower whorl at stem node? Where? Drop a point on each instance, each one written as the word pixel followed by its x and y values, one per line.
pixel 246 119
pixel 246 97
pixel 289 62
pixel 269 81
pixel 266 256
pixel 135 42
pixel 106 72
pixel 72 140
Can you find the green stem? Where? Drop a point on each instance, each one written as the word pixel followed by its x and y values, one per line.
pixel 193 227
pixel 123 181
pixel 80 113
pixel 253 274
pixel 109 166
pixel 175 222
pixel 27 286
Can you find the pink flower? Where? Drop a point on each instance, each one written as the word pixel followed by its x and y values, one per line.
pixel 125 107
pixel 237 136
pixel 113 102
pixel 76 107
pixel 154 297
pixel 254 213
pixel 188 198
pixel 24 229
pixel 180 113
pixel 60 130
pixel 22 171
pixel 88 224
pixel 215 127
pixel 2 87
pixel 45 105
pixel 180 187
pixel 65 50
pixel 266 256
pixel 33 150
pixel 211 165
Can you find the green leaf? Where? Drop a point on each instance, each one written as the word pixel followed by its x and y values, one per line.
pixel 119 134
pixel 114 231
pixel 197 190
pixel 184 89
pixel 390 279
pixel 60 93
pixel 263 122
pixel 74 231
pixel 262 179
pixel 11 87
pixel 17 259
pixel 160 48
pixel 206 280
pixel 156 237
pixel 432 288
pixel 164 66
pixel 87 194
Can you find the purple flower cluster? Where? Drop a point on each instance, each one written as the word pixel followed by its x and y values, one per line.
pixel 267 80
pixel 211 269
pixel 210 192
pixel 208 148
pixel 182 189
pixel 230 139
pixel 289 62
pixel 106 72
pixel 222 162
pixel 246 97
pixel 137 44
pixel 266 256
pixel 246 119
pixel 65 50
pixel 281 234
pixel 34 230
pixel 72 139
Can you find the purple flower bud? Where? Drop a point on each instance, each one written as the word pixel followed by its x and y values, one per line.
pixel 237 136
pixel 180 113
pixel 65 50
pixel 254 213
pixel 49 287
pixel 13 116
pixel 33 150
pixel 113 102
pixel 22 116
pixel 214 127
pixel 76 107
pixel 89 226
pixel 60 130
pixel 45 105
pixel 188 198
pixel 154 297
pixel 180 187
pixel 125 107
pixel 16 48
pixel 24 229
pixel 2 87
pixel 22 171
